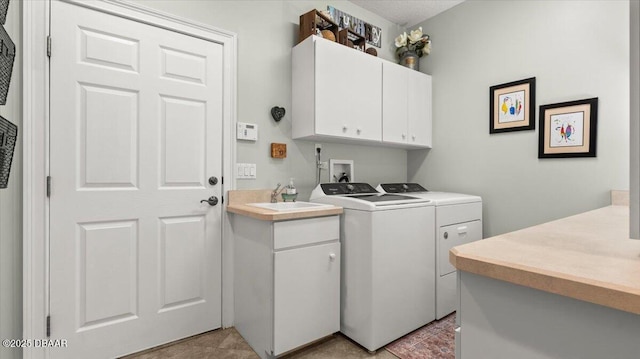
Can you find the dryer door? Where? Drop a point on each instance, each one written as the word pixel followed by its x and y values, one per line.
pixel 455 235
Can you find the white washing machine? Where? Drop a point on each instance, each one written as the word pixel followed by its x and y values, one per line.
pixel 458 220
pixel 388 264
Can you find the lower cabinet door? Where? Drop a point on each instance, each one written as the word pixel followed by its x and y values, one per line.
pixel 306 295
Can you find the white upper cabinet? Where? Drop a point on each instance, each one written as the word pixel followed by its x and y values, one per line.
pixel 343 95
pixel 348 92
pixel 337 92
pixel 406 107
pixel 395 103
pixel 419 120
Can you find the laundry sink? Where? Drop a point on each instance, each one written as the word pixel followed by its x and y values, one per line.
pixel 290 206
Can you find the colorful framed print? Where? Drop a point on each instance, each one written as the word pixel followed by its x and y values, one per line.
pixel 512 106
pixel 568 129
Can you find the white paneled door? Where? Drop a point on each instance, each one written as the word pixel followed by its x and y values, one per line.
pixel 135 134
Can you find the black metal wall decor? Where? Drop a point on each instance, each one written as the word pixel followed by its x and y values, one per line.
pixel 7 55
pixel 8 131
pixel 277 113
pixel 4 6
pixel 8 136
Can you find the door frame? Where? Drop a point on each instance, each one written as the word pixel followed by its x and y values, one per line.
pixel 35 27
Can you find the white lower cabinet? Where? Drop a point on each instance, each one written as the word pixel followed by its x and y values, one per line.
pixel 287 282
pixel 501 320
pixel 306 295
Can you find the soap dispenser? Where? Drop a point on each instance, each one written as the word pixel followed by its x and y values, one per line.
pixel 290 192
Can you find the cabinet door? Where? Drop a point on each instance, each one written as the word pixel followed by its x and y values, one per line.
pixel 348 92
pixel 419 110
pixel 394 102
pixel 306 295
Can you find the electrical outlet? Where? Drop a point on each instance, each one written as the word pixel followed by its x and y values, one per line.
pixel 315 149
pixel 324 165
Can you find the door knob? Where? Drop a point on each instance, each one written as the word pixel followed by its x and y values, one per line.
pixel 213 200
pixel 213 180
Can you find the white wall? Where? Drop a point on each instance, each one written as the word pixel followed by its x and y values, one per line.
pixel 634 34
pixel 267 30
pixel 576 50
pixel 11 204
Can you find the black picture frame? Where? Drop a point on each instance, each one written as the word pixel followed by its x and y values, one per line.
pixel 516 111
pixel 559 122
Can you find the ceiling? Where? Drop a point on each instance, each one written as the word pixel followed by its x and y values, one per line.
pixel 406 13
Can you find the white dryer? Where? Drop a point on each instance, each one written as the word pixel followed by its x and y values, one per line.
pixel 388 263
pixel 458 220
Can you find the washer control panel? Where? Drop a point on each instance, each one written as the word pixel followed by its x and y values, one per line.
pixel 402 187
pixel 332 189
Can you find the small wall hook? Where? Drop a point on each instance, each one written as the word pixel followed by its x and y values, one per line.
pixel 277 113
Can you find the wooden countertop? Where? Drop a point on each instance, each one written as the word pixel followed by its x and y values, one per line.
pixel 588 257
pixel 238 204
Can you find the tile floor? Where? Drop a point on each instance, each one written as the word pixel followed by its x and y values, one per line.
pixel 228 344
pixel 218 344
pixel 433 341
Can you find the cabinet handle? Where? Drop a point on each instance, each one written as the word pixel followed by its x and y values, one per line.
pixel 404 136
pixel 344 127
pixel 462 231
pixel 358 130
pixel 332 257
pixel 413 137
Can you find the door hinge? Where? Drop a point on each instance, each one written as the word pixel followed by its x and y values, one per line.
pixel 48 46
pixel 48 326
pixel 222 197
pixel 222 180
pixel 48 186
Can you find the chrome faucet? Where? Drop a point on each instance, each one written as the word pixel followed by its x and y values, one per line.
pixel 275 193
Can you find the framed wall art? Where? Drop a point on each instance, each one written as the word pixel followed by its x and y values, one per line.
pixel 370 32
pixel 373 34
pixel 512 106
pixel 568 129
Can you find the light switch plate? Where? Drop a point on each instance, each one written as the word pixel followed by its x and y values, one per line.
pixel 245 170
